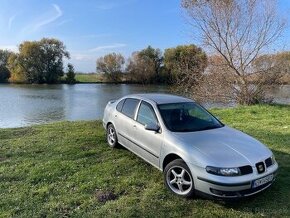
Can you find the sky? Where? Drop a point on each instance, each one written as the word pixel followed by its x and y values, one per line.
pixel 93 28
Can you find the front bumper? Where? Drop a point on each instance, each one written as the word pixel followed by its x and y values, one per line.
pixel 230 187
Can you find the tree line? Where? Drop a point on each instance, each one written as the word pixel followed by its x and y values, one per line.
pixel 150 65
pixel 43 62
pixel 36 62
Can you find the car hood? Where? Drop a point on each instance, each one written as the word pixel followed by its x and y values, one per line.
pixel 225 147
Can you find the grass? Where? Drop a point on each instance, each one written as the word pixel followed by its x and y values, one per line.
pixel 89 77
pixel 66 169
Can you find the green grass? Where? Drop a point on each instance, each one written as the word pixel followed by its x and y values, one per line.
pixel 66 169
pixel 88 78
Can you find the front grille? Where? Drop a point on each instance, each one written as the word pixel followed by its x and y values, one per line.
pixel 260 167
pixel 240 193
pixel 253 190
pixel 268 162
pixel 246 170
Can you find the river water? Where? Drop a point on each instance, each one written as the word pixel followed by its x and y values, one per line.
pixel 22 105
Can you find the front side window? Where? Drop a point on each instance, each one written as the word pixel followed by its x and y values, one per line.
pixel 187 117
pixel 146 114
pixel 129 107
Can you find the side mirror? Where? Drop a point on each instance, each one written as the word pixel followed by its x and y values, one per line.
pixel 152 127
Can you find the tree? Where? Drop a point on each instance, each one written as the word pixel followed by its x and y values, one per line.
pixel 239 31
pixel 140 70
pixel 39 61
pixel 277 65
pixel 215 84
pixel 4 71
pixel 70 75
pixel 17 72
pixel 144 66
pixel 152 56
pixel 185 63
pixel 112 65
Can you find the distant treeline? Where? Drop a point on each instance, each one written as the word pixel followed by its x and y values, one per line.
pixel 36 62
pixel 43 62
pixel 183 66
pixel 150 65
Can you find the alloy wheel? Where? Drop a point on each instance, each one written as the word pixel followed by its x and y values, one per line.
pixel 111 136
pixel 179 180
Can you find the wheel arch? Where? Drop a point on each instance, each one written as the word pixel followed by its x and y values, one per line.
pixel 169 158
pixel 108 123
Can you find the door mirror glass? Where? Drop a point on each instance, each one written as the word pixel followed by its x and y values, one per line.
pixel 152 127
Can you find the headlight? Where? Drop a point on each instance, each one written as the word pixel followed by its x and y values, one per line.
pixel 234 171
pixel 273 159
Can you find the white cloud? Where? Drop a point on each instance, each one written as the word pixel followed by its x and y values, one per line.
pixel 13 48
pixel 106 47
pixel 51 19
pixel 10 21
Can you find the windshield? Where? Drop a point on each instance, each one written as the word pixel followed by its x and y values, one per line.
pixel 187 117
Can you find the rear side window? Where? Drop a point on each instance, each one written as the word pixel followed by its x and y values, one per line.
pixel 120 105
pixel 129 107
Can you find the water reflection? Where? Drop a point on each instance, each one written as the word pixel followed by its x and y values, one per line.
pixel 22 105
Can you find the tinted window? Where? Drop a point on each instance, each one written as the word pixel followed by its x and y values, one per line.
pixel 120 105
pixel 146 114
pixel 129 107
pixel 187 117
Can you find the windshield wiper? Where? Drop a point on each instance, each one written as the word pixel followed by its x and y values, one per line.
pixel 196 130
pixel 210 127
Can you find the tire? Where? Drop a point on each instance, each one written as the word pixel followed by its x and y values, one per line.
pixel 178 178
pixel 111 135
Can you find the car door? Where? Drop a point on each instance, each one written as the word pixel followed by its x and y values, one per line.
pixel 124 118
pixel 148 142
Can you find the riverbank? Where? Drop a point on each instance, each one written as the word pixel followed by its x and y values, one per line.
pixel 89 78
pixel 67 169
pixel 100 78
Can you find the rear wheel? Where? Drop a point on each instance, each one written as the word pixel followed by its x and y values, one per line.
pixel 112 136
pixel 178 178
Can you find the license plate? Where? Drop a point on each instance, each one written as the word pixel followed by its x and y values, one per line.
pixel 262 181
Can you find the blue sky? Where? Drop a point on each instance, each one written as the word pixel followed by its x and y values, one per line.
pixel 92 28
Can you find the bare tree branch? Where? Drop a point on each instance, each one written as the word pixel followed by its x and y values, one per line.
pixel 239 31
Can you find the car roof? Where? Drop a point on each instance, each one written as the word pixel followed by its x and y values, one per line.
pixel 159 98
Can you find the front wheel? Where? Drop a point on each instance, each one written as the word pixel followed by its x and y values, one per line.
pixel 112 136
pixel 178 178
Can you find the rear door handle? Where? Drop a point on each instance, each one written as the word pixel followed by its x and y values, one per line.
pixel 116 115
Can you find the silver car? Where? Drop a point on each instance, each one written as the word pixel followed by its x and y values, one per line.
pixel 196 152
